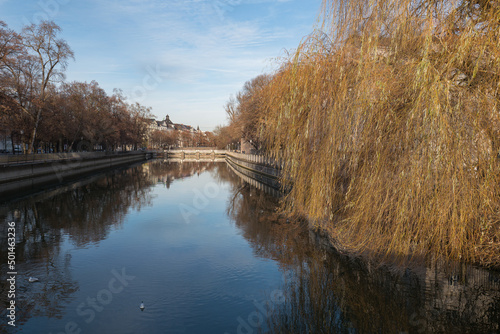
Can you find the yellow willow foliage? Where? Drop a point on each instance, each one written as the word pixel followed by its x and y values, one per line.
pixel 387 121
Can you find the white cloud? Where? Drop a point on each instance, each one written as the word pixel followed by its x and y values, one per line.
pixel 206 48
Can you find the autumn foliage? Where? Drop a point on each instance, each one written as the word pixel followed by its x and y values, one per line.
pixel 244 113
pixel 39 110
pixel 387 121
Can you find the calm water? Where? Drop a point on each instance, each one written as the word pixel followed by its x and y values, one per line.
pixel 207 253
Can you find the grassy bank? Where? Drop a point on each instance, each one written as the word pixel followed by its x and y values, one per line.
pixel 388 123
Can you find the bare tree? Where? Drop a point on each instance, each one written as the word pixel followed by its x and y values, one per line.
pixel 244 113
pixel 9 45
pixel 11 52
pixel 51 56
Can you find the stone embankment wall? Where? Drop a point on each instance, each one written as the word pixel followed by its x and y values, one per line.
pixel 259 171
pixel 194 154
pixel 26 173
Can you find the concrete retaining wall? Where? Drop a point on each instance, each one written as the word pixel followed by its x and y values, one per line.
pixel 196 154
pixel 255 168
pixel 21 176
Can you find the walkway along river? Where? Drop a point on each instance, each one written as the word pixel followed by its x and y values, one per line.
pixel 207 253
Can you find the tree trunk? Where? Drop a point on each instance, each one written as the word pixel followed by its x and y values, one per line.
pixel 33 134
pixel 12 142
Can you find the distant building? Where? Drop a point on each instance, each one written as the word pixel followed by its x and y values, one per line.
pixel 187 135
pixel 183 127
pixel 164 125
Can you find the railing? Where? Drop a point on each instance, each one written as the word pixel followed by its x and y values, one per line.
pixel 211 154
pixel 257 168
pixel 258 159
pixel 52 157
pixel 195 150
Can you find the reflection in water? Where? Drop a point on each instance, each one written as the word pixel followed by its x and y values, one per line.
pixel 327 292
pixel 167 172
pixel 82 214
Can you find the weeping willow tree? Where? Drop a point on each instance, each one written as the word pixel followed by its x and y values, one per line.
pixel 387 121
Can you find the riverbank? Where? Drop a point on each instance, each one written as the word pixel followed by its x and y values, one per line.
pixel 265 174
pixel 27 173
pixel 259 171
pixel 228 258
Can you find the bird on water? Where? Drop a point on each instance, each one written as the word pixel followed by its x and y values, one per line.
pixel 142 306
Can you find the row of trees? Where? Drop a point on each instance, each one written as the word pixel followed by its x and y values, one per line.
pixel 39 110
pixel 387 120
pixel 244 112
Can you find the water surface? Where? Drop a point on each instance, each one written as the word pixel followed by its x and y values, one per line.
pixel 207 253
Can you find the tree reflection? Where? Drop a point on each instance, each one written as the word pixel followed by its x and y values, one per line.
pixel 81 213
pixel 327 292
pixel 166 171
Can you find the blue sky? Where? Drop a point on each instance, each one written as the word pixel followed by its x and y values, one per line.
pixel 180 57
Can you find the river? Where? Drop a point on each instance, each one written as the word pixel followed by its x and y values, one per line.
pixel 207 253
